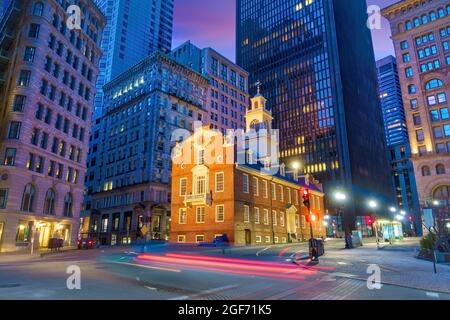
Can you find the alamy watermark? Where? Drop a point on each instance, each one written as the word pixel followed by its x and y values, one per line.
pixel 73 22
pixel 73 282
pixel 374 280
pixel 257 146
pixel 374 21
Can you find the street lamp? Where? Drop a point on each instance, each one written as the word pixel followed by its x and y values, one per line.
pixel 373 204
pixel 340 198
pixel 393 209
pixel 403 213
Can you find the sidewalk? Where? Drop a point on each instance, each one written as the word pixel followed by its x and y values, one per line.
pixel 23 257
pixel 398 264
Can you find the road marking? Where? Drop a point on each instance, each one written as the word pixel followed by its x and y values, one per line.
pixel 150 288
pixel 261 251
pixel 148 267
pixel 342 263
pixel 433 295
pixel 206 292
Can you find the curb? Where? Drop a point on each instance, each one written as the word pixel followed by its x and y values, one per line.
pixel 365 280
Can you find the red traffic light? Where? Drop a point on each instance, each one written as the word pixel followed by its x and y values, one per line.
pixel 305 193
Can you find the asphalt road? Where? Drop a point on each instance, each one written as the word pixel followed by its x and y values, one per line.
pixel 185 273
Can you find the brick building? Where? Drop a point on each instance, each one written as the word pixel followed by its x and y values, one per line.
pixel 47 84
pixel 213 194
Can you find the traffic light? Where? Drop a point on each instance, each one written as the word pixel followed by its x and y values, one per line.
pixel 306 198
pixel 311 217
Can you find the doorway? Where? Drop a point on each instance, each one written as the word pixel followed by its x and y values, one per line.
pixel 44 236
pixel 248 237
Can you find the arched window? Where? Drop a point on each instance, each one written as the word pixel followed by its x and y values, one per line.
pixel 424 19
pixel 441 12
pixel 68 202
pixel 432 16
pixel 412 89
pixel 49 205
pixel 38 9
pixel 426 172
pixel 440 169
pixel 433 84
pixel 408 25
pixel 442 193
pixel 28 197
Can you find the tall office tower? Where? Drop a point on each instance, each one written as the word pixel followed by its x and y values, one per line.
pixel 421 35
pixel 228 97
pixel 316 64
pixel 47 85
pixel 130 168
pixel 402 169
pixel 133 31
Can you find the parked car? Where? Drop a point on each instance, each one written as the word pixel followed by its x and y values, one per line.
pixel 87 244
pixel 221 241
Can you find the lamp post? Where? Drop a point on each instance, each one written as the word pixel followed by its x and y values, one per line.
pixel 340 198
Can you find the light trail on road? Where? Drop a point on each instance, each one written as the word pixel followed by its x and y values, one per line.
pixel 228 265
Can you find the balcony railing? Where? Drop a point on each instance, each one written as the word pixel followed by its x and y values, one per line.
pixel 198 199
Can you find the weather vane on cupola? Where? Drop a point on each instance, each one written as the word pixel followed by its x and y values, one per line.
pixel 258 85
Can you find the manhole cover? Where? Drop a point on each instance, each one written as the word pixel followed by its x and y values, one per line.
pixel 10 285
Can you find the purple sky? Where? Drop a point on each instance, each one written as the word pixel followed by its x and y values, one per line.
pixel 211 23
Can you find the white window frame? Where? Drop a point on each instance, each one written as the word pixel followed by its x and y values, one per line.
pixel 223 181
pixel 256 186
pixel 274 218
pixel 282 219
pixel 276 240
pixel 267 238
pixel 247 218
pixel 217 212
pixel 181 187
pixel 245 183
pixel 289 195
pixel 199 235
pixel 257 217
pixel 181 238
pixel 197 215
pixel 266 218
pixel 179 216
pixel 265 189
pixel 273 191
pixel 281 193
pixel 258 239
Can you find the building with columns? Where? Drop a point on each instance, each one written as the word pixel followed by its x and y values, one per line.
pixel 220 187
pixel 130 169
pixel 47 85
pixel 421 36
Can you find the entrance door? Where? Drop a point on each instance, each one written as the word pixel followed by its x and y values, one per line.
pixel 248 237
pixel 44 236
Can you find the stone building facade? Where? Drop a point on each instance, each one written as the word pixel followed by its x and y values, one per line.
pixel 147 108
pixel 48 73
pixel 421 36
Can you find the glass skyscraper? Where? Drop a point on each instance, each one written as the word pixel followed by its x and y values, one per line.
pixel 316 64
pixel 134 30
pixel 402 169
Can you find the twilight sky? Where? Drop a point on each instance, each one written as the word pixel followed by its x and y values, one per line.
pixel 211 23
